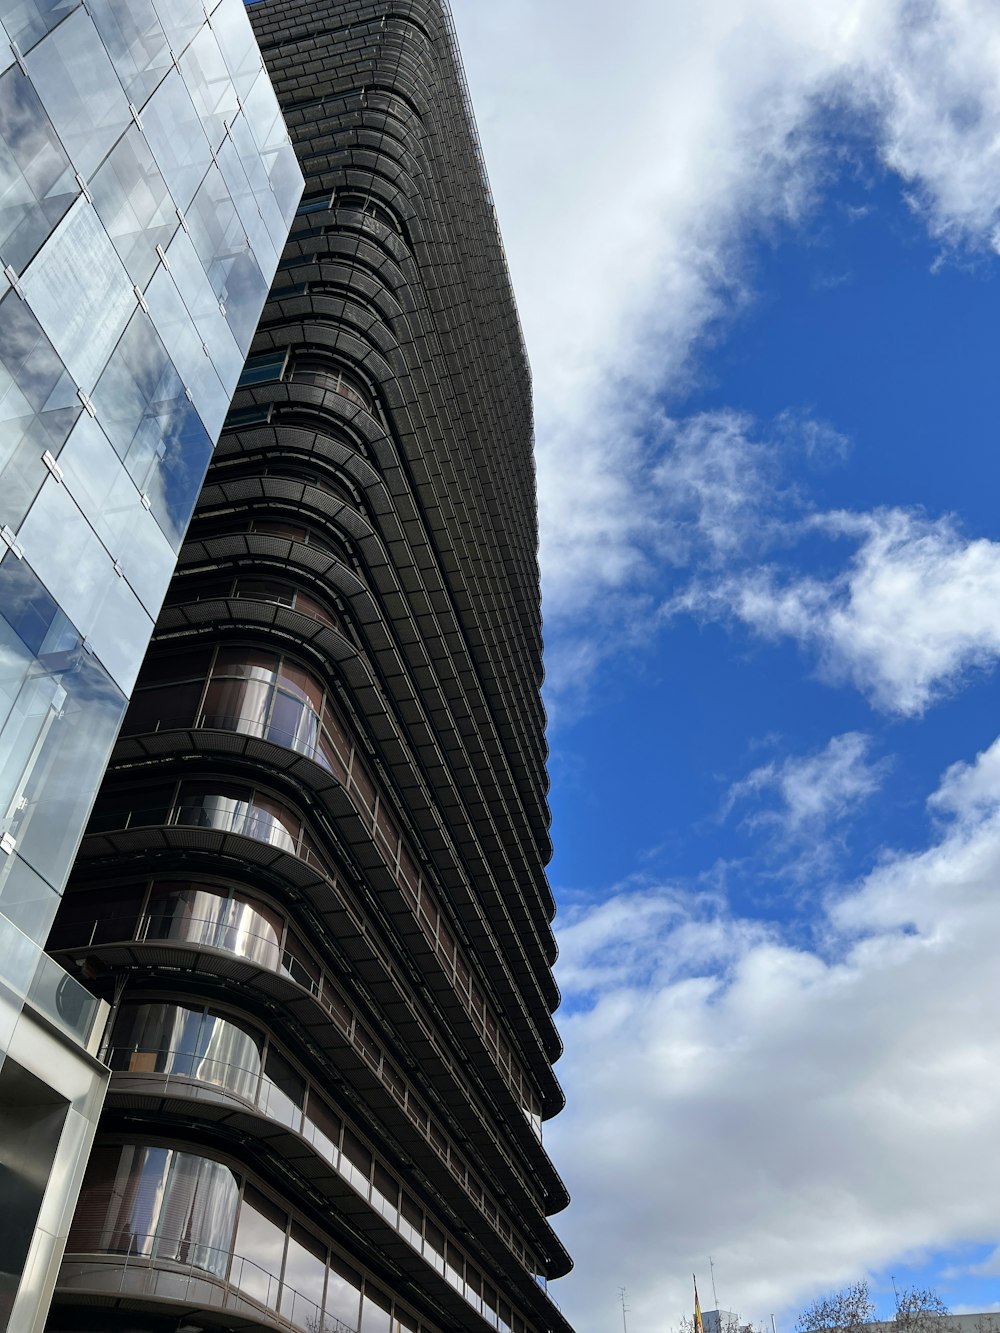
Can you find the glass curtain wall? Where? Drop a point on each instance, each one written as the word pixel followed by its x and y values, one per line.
pixel 146 189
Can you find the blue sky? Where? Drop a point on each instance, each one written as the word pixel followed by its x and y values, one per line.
pixel 755 246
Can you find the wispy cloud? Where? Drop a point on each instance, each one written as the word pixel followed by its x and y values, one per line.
pixel 801 799
pixel 909 615
pixel 803 1115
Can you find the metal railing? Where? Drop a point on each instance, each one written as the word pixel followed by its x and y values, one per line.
pixel 222 1076
pixel 177 1268
pixel 275 959
pixel 249 822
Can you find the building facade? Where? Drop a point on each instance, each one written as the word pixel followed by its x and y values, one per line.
pixel 146 189
pixel 313 890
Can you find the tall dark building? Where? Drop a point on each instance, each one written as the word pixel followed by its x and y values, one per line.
pixel 313 887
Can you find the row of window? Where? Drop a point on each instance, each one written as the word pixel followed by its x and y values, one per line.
pixel 322 287
pixel 276 591
pixel 307 472
pixel 359 201
pixel 268 527
pixel 258 693
pixel 174 1040
pixel 208 915
pixel 288 414
pixel 225 807
pixel 309 365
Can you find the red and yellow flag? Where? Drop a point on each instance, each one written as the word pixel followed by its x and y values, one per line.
pixel 699 1327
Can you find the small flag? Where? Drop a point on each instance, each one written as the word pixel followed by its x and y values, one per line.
pixel 699 1327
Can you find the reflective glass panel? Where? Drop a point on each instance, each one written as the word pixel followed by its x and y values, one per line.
pixel 260 1248
pixel 36 180
pixel 305 1279
pixel 80 293
pixel 283 1091
pixel 79 572
pixel 225 810
pixel 255 170
pixel 375 1311
pixel 239 47
pixel 136 43
pixel 237 705
pixel 77 82
pixel 181 19
pixel 173 128
pixel 343 1292
pixel 269 821
pixel 94 476
pixel 210 84
pixel 135 206
pixel 27 20
pixel 202 306
pixel 251 211
pixel 38 405
pixel 186 345
pixel 322 1127
pixel 147 416
pixel 173 1039
pixel 157 1202
pixel 59 712
pixel 26 898
pixel 204 916
pixel 222 247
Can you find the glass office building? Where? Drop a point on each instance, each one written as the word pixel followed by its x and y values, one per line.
pixel 147 184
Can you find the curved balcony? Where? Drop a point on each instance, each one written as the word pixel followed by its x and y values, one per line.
pixel 259 693
pixel 180 923
pixel 231 820
pixel 176 1077
pixel 145 1275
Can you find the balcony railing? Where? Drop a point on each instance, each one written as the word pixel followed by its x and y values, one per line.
pixel 253 1088
pixel 217 1279
pixel 247 822
pixel 265 952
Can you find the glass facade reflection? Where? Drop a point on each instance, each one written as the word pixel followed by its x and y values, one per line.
pixel 146 189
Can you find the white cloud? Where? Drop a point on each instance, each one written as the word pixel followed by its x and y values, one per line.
pixel 802 1115
pixel 634 151
pixel 812 792
pixel 914 611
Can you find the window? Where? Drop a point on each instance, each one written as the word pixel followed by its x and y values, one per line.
pixel 263 368
pixel 260 1248
pixel 283 1091
pixel 313 203
pixel 233 808
pixel 204 914
pixel 321 370
pixel 293 531
pixel 157 1202
pixel 284 594
pixel 257 414
pixel 189 1043
pixel 371 207
pixel 356 1162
